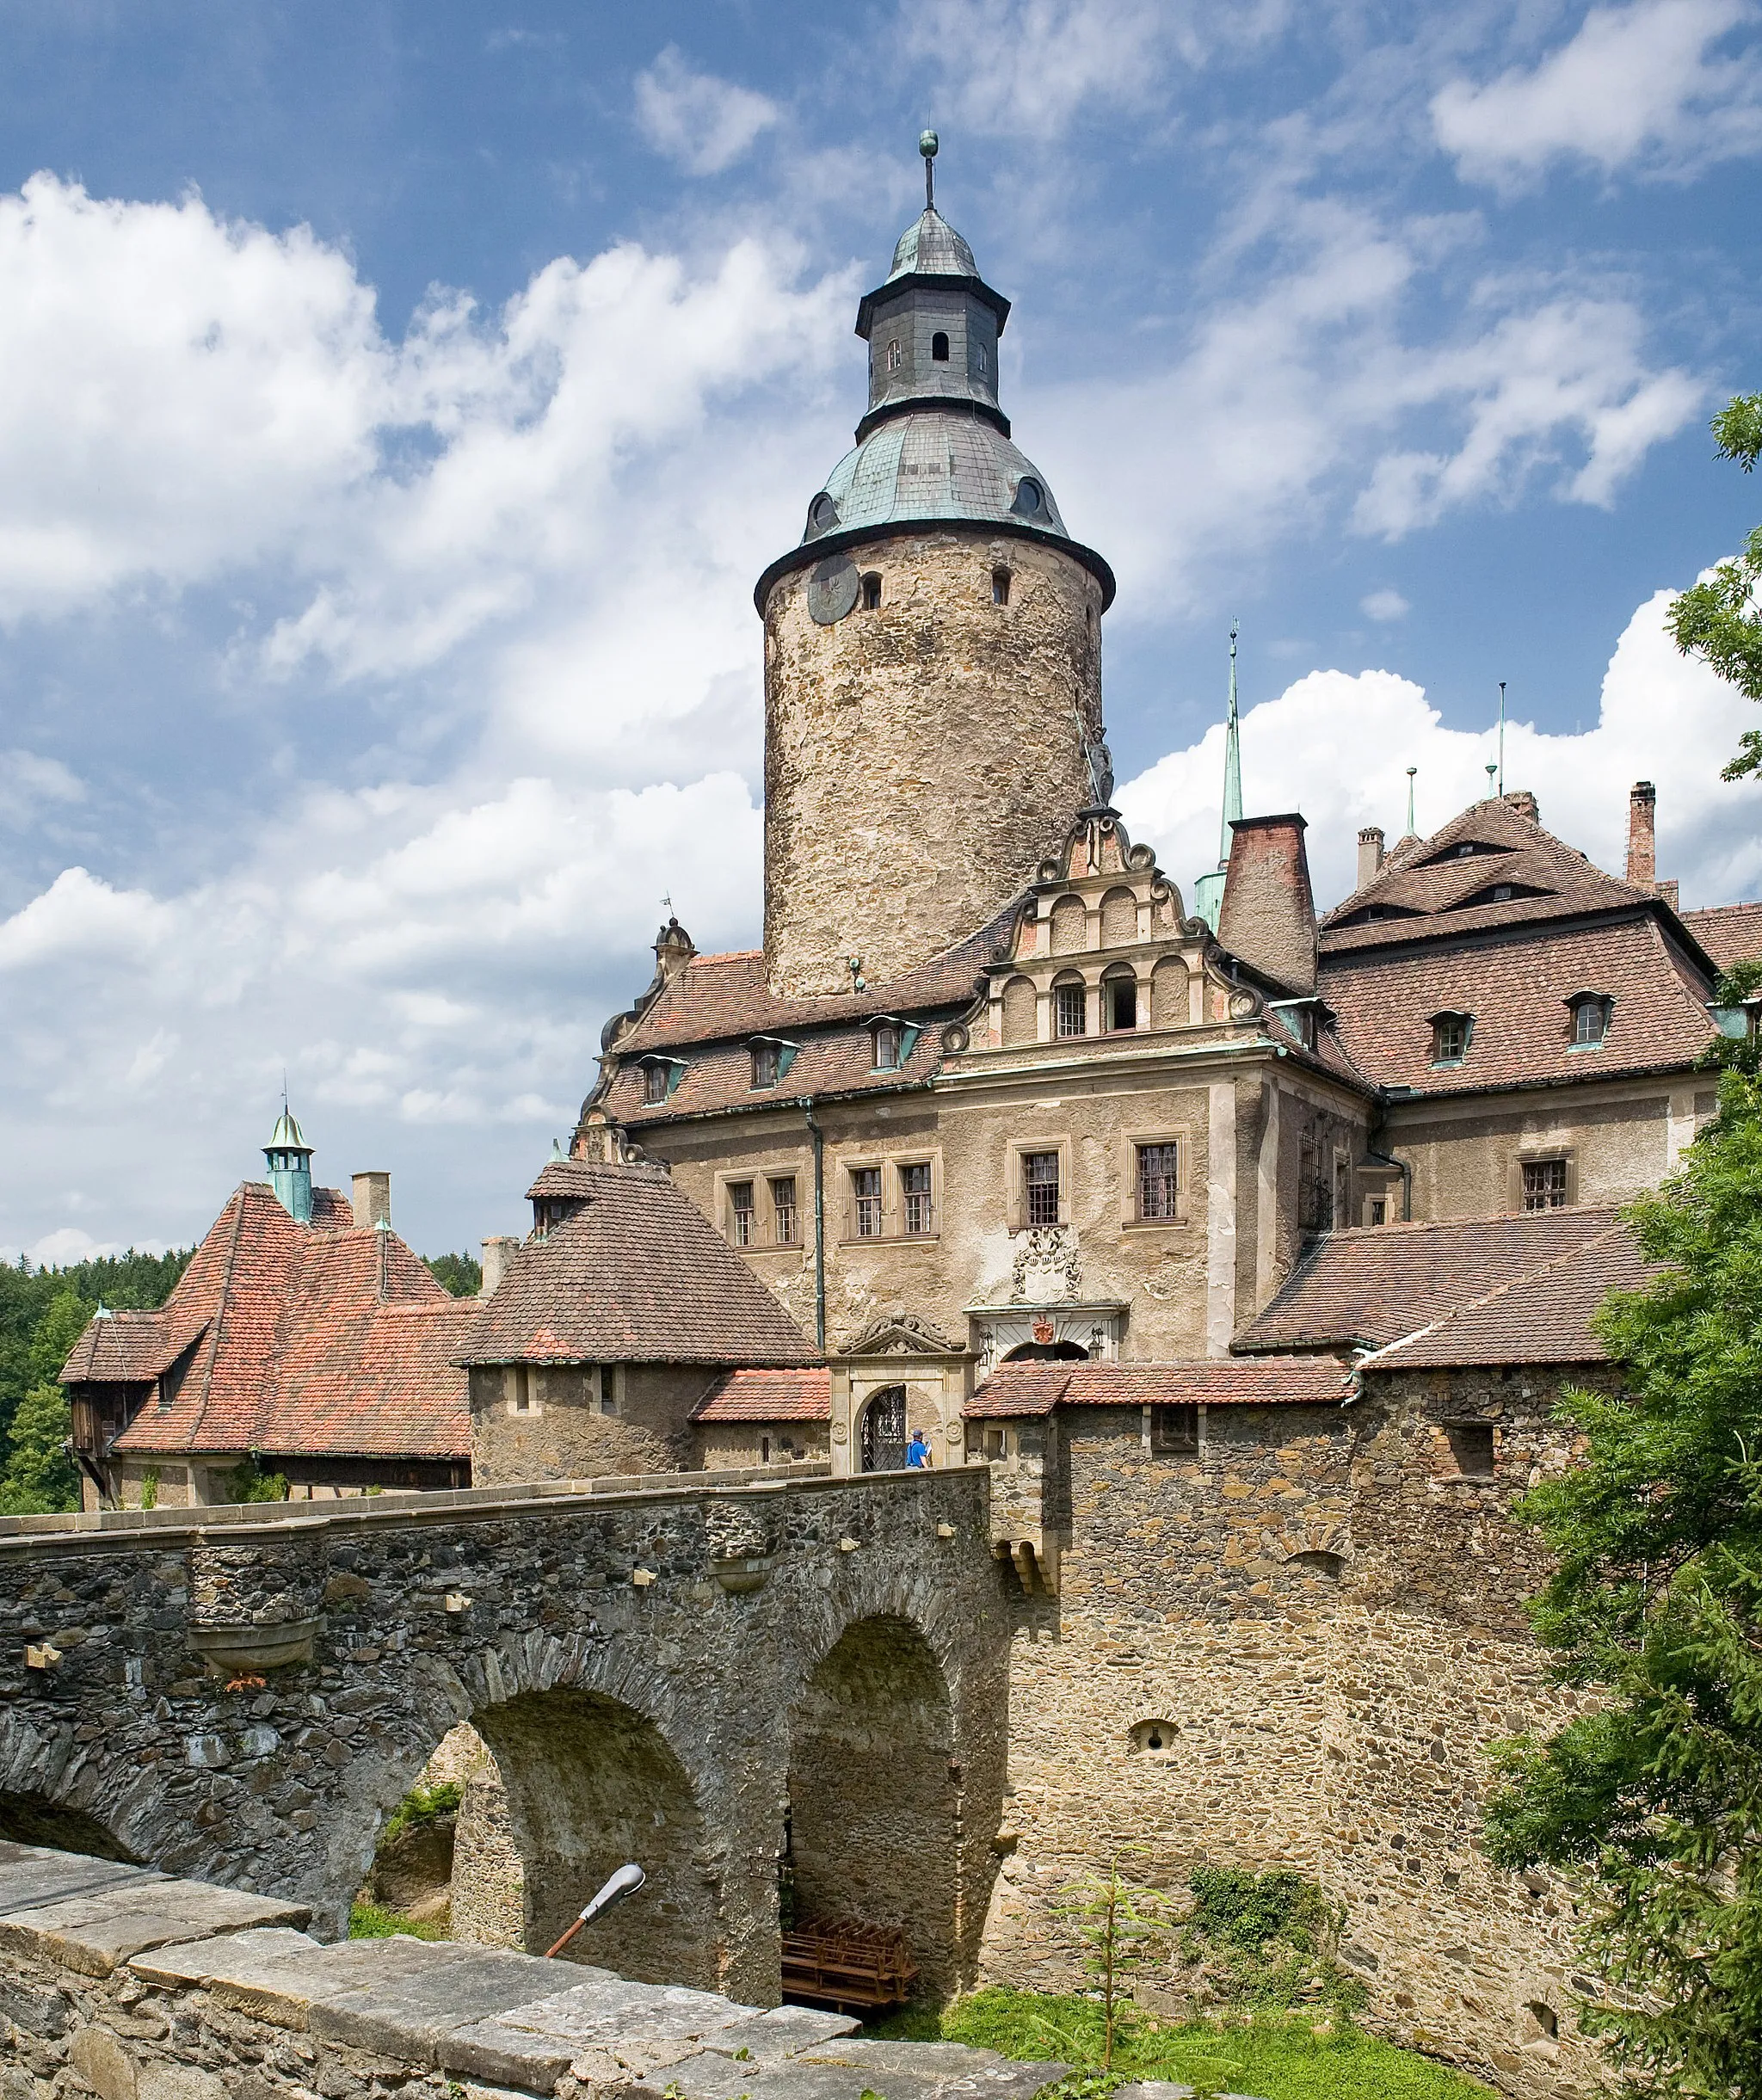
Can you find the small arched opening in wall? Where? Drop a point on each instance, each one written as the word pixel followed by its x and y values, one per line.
pixel 1318 1561
pixel 34 1819
pixel 1152 1739
pixel 574 1784
pixel 872 1838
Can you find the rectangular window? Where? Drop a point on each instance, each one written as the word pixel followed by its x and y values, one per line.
pixel 1471 1446
pixel 785 1220
pixel 519 1389
pixel 1174 1428
pixel 1072 1009
pixel 1122 996
pixel 654 1083
pixel 999 586
pixel 1376 1211
pixel 609 1396
pixel 764 1064
pixel 740 1211
pixel 865 1187
pixel 1157 1187
pixel 915 1198
pixel 1545 1185
pixel 886 1048
pixel 1588 1017
pixel 1450 1038
pixel 1040 1178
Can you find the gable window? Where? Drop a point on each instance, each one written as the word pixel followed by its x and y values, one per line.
pixel 872 592
pixel 1174 1428
pixel 1545 1185
pixel 999 586
pixel 740 1212
pixel 1071 1009
pixel 1591 1014
pixel 764 1064
pixel 786 1219
pixel 1040 1181
pixel 866 1191
pixel 1158 1187
pixel 938 348
pixel 915 1198
pixel 1451 1036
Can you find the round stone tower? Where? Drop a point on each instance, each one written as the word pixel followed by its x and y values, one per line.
pixel 933 652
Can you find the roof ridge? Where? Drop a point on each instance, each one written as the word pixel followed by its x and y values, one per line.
pixel 217 1319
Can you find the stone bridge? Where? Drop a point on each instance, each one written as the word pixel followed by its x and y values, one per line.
pixel 706 1673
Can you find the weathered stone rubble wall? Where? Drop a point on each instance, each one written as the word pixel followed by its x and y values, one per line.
pixel 248 1701
pixel 131 1987
pixel 921 758
pixel 564 1434
pixel 1325 1619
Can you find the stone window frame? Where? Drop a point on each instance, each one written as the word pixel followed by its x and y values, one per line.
pixel 1016 1194
pixel 521 1397
pixel 761 1172
pixel 1123 973
pixel 889 1165
pixel 1180 1135
pixel 1541 1156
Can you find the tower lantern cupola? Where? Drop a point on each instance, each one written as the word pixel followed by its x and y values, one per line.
pixel 290 1158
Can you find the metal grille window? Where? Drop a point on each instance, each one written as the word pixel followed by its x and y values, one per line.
pixel 1072 1009
pixel 914 1196
pixel 1157 1187
pixel 1040 1176
pixel 786 1219
pixel 740 1210
pixel 865 1187
pixel 1545 1185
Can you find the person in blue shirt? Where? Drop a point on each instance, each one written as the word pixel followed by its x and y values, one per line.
pixel 917 1452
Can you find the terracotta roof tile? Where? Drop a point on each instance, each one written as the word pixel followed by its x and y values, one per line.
pixel 1542 1316
pixel 284 1338
pixel 1373 1286
pixel 768 1397
pixel 1729 932
pixel 1515 989
pixel 719 1075
pixel 637 1275
pixel 1287 1381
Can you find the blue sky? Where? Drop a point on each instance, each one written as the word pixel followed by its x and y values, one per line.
pixel 398 401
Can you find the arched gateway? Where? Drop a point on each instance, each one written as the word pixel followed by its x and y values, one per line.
pixel 245 1700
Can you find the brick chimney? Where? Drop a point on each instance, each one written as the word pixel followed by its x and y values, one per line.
pixel 1642 835
pixel 1268 918
pixel 372 1193
pixel 499 1249
pixel 1369 854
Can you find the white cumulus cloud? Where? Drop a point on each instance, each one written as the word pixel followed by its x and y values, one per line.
pixel 704 123
pixel 1638 87
pixel 1383 605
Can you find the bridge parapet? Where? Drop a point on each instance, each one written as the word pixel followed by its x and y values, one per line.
pixel 244 1700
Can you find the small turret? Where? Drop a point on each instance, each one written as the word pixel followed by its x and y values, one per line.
pixel 290 1158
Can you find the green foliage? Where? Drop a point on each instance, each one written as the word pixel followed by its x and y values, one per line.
pixel 1653 1800
pixel 150 1488
pixel 461 1274
pixel 248 1482
pixel 128 1282
pixel 1121 1925
pixel 1719 620
pixel 420 1806
pixel 1267 1940
pixel 1275 2055
pixel 373 1921
pixel 39 1474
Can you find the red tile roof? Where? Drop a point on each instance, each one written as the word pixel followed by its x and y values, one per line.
pixel 768 1397
pixel 1257 1382
pixel 1373 1286
pixel 718 1075
pixel 318 1339
pixel 1515 989
pixel 638 1275
pixel 1542 1316
pixel 1729 932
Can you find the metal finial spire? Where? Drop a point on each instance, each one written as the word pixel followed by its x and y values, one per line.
pixel 928 143
pixel 1413 829
pixel 1232 762
pixel 1492 768
pixel 1501 736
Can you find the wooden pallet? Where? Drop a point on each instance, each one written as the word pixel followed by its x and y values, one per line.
pixel 850 1968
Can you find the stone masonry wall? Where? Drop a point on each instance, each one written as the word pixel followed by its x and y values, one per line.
pixel 921 759
pixel 564 1435
pixel 248 1700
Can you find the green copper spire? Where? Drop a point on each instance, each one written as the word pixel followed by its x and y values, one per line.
pixel 1208 891
pixel 290 1158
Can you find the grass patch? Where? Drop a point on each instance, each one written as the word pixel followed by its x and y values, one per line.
pixel 420 1806
pixel 1277 2056
pixel 373 1921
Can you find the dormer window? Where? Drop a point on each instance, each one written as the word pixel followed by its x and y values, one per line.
pixel 938 348
pixel 887 1048
pixel 1452 1033
pixel 659 1077
pixel 764 1064
pixel 822 515
pixel 1501 893
pixel 1591 1013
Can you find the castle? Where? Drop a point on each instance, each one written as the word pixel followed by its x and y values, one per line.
pixel 1245 1249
